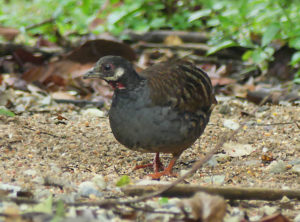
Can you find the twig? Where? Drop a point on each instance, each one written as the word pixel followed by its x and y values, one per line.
pixel 185 46
pixel 231 193
pixel 274 124
pixel 80 103
pixel 51 20
pixel 160 36
pixel 41 132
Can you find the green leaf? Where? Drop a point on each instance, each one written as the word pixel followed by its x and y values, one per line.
pixel 60 209
pixel 270 33
pixel 199 14
pixel 295 59
pixel 163 200
pixel 259 56
pixel 295 43
pixel 222 45
pixel 297 78
pixel 7 112
pixel 43 207
pixel 124 180
pixel 247 55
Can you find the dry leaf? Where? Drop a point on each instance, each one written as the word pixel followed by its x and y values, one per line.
pixel 205 207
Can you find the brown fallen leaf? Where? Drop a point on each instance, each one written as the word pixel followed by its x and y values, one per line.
pixel 63 73
pixel 205 207
pixel 275 218
pixel 9 33
pixel 273 97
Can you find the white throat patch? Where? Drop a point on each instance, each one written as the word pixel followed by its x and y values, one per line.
pixel 118 73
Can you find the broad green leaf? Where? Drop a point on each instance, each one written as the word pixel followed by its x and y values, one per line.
pixel 295 43
pixel 222 45
pixel 124 180
pixel 259 56
pixel 199 14
pixel 295 59
pixel 43 207
pixel 247 55
pixel 270 33
pixel 7 112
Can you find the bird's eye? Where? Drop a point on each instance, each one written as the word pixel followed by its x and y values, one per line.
pixel 107 67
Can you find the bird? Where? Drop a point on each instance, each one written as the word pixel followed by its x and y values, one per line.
pixel 162 109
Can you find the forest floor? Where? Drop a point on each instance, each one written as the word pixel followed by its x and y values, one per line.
pixel 70 153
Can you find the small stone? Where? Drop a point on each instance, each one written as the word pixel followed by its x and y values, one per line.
pixel 212 162
pixel 225 109
pixel 295 162
pixel 297 218
pixel 38 180
pixel 296 169
pixel 285 199
pixel 87 188
pixel 269 210
pixel 99 181
pixel 237 149
pixel 251 162
pixel 14 189
pixel 265 149
pixel 230 124
pixel 183 172
pixel 277 167
pixel 216 179
pixel 30 172
pixel 93 112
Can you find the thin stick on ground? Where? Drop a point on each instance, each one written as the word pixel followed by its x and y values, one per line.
pixel 231 193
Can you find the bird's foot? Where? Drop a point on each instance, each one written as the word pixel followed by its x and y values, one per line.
pixel 166 172
pixel 157 164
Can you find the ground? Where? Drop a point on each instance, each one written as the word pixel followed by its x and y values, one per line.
pixel 66 146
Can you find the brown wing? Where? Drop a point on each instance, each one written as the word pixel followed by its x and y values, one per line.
pixel 180 84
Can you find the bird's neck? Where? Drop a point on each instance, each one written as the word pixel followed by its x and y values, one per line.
pixel 131 82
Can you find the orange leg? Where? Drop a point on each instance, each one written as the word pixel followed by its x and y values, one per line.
pixel 157 164
pixel 167 171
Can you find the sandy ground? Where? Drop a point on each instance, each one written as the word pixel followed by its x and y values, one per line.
pixel 71 147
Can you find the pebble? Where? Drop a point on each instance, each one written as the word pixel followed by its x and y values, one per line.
pixel 87 188
pixel 93 112
pixel 230 124
pixel 14 189
pixel 277 167
pixel 216 179
pixel 99 181
pixel 237 149
pixel 212 162
pixel 297 218
pixel 265 149
pixel 30 172
pixel 295 162
pixel 225 109
pixel 269 210
pixel 296 169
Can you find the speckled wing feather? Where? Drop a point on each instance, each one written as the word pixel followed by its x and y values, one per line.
pixel 181 85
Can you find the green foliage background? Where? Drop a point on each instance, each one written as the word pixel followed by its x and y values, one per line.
pixel 258 25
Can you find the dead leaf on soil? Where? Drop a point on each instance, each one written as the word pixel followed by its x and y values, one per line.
pixel 275 218
pixel 64 72
pixel 9 33
pixel 205 207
